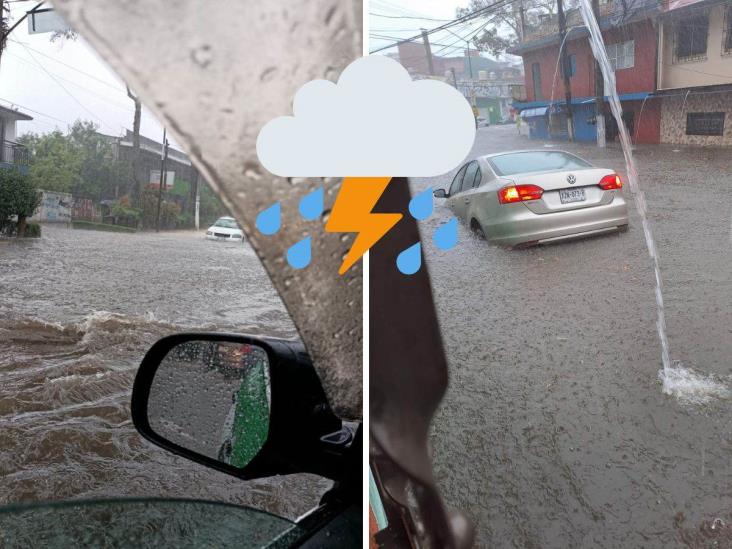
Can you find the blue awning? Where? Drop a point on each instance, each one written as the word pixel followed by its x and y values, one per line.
pixel 638 96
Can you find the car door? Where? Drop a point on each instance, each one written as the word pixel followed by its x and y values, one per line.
pixel 464 197
pixel 455 188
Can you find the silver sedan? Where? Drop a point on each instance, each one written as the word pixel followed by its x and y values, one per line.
pixel 523 198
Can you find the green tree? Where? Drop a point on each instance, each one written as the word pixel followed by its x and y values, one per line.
pixel 503 21
pixel 18 197
pixel 55 162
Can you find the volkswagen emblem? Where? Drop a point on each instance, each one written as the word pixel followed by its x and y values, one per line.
pixel 571 179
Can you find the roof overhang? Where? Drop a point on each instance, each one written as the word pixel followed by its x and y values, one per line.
pixel 12 114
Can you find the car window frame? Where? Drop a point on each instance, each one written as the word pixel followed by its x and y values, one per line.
pixel 458 177
pixel 469 181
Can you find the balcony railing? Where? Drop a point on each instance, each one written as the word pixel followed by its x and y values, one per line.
pixel 14 153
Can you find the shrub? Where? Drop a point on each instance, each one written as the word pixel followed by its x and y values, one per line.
pixel 18 197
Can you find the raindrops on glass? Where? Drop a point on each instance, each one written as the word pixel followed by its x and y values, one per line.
pixel 420 207
pixel 446 235
pixel 299 254
pixel 269 220
pixel 311 205
pixel 410 260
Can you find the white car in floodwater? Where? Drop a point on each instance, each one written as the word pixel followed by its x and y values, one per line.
pixel 225 229
pixel 523 198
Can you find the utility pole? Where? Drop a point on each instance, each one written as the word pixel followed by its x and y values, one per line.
pixel 163 159
pixel 428 51
pixel 522 19
pixel 198 198
pixel 136 190
pixel 599 91
pixel 454 78
pixel 470 61
pixel 565 68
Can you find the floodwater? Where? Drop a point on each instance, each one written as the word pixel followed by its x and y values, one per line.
pixel 78 310
pixel 555 430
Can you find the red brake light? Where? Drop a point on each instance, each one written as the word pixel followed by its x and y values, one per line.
pixel 610 182
pixel 519 193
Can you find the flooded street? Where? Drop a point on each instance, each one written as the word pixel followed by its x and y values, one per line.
pixel 555 431
pixel 78 310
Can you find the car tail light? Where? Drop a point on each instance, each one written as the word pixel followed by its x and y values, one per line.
pixel 610 182
pixel 519 193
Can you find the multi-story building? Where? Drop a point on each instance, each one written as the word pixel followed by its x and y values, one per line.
pixel 12 154
pixel 695 72
pixel 630 39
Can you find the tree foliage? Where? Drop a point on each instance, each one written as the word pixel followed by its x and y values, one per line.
pixel 503 21
pixel 81 162
pixel 18 196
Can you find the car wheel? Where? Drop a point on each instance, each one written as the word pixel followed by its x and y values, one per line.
pixel 477 230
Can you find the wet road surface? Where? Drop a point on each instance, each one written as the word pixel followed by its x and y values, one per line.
pixel 555 431
pixel 78 310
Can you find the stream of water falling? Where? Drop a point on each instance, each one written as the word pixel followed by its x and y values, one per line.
pixel 684 383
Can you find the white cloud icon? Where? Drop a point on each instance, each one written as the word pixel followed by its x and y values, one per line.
pixel 375 122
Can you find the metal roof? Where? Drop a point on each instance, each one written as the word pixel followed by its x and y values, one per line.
pixel 13 114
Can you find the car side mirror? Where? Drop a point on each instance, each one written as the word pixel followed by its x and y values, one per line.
pixel 251 407
pixel 439 193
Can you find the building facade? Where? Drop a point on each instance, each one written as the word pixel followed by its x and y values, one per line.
pixel 695 73
pixel 631 44
pixel 12 154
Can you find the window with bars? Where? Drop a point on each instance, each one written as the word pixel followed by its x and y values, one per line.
pixel 705 123
pixel 621 55
pixel 690 38
pixel 727 36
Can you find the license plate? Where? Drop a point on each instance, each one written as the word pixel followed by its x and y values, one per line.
pixel 572 195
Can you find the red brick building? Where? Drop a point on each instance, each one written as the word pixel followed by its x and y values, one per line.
pixel 632 49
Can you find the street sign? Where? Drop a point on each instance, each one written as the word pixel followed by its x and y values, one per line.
pixel 46 20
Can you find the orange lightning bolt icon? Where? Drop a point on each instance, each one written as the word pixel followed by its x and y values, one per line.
pixel 352 214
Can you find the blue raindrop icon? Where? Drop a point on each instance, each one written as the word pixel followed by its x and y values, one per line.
pixel 298 256
pixel 268 221
pixel 410 260
pixel 421 205
pixel 311 205
pixel 446 235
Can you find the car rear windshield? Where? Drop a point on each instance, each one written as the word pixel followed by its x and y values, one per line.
pixel 536 161
pixel 228 223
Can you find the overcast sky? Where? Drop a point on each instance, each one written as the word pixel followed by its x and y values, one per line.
pixel 60 82
pixel 392 20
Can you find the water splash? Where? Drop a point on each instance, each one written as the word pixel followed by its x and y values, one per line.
pixel 311 205
pixel 269 220
pixel 299 254
pixel 421 205
pixel 556 71
pixel 446 235
pixel 410 260
pixel 676 379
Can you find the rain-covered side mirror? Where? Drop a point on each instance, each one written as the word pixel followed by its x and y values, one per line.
pixel 251 407
pixel 439 193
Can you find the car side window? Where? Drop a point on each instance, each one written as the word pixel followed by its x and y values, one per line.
pixel 457 181
pixel 470 174
pixel 478 176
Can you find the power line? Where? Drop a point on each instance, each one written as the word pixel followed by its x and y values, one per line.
pixel 472 15
pixel 408 17
pixel 33 110
pixel 67 91
pixel 27 47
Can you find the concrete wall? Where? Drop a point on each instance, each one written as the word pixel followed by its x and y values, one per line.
pixel 673 118
pixel 639 78
pixel 715 69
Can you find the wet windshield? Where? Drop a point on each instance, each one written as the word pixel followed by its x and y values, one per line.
pixel 227 223
pixel 586 331
pixel 115 256
pixel 535 161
